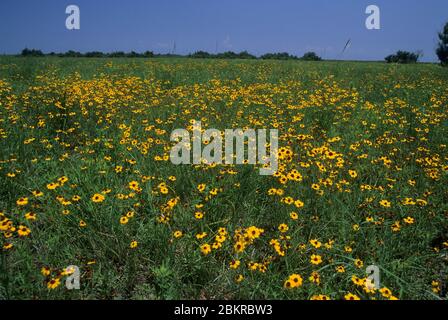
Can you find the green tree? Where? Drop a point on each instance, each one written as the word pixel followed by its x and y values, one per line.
pixel 442 49
pixel 311 56
pixel 31 53
pixel 403 57
pixel 201 55
pixel 278 56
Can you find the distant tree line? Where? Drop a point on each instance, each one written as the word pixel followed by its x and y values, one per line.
pixel 224 55
pixel 92 54
pixel 399 57
pixel 309 56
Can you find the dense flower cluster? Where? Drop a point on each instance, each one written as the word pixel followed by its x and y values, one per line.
pixel 86 180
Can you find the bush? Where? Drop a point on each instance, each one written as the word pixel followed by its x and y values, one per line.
pixel 201 55
pixel 31 53
pixel 148 54
pixel 94 54
pixel 278 56
pixel 402 57
pixel 71 54
pixel 442 49
pixel 233 55
pixel 224 55
pixel 311 56
pixel 246 55
pixel 133 54
pixel 117 54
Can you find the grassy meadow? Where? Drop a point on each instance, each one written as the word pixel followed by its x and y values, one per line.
pixel 86 180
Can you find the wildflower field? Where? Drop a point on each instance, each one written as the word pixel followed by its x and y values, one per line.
pixel 86 180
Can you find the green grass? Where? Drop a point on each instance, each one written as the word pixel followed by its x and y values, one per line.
pixel 392 125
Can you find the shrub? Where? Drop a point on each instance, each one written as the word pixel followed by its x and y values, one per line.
pixel 233 55
pixel 148 54
pixel 31 53
pixel 402 57
pixel 246 55
pixel 311 56
pixel 71 54
pixel 201 55
pixel 278 56
pixel 94 54
pixel 117 54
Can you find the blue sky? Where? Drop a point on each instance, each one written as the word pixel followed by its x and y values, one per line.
pixel 259 26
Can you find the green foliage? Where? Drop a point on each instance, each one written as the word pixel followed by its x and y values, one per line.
pixel 403 57
pixel 442 48
pixel 278 56
pixel 71 54
pixel 311 56
pixel 224 55
pixel 377 111
pixel 92 54
pixel 31 53
pixel 201 55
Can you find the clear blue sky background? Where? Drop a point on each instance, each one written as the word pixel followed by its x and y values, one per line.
pixel 259 26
